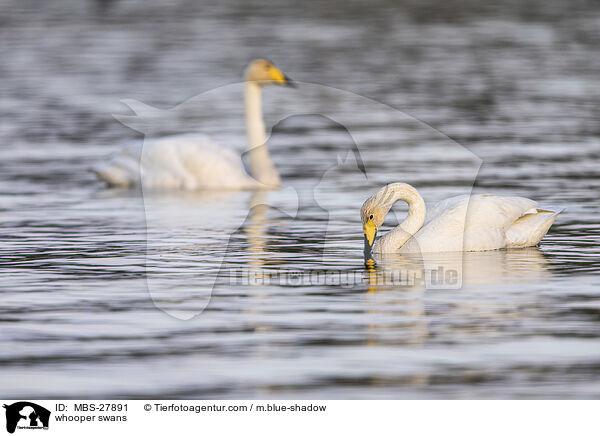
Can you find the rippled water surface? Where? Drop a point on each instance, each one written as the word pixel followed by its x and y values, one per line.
pixel 105 292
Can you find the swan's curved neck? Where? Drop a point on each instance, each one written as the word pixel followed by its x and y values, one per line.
pixel 397 237
pixel 261 166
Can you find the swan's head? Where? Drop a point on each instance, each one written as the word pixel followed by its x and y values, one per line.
pixel 372 215
pixel 263 72
pixel 374 211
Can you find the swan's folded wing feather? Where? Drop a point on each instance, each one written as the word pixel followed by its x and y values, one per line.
pixel 182 162
pixel 444 228
pixel 529 229
pixel 489 217
pixel 444 206
pixel 475 223
pixel 492 211
pixel 191 162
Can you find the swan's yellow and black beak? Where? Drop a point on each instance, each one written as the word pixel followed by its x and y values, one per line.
pixel 370 231
pixel 281 79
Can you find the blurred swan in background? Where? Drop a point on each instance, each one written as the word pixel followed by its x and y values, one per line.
pixel 193 161
pixel 477 223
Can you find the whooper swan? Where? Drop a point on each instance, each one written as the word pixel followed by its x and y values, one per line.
pixel 194 161
pixel 477 223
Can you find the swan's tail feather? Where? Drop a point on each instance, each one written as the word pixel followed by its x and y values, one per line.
pixel 112 176
pixel 119 173
pixel 122 169
pixel 530 228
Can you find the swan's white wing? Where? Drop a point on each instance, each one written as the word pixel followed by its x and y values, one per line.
pixel 489 217
pixel 529 229
pixel 486 210
pixel 444 228
pixel 476 223
pixel 177 162
pixel 441 207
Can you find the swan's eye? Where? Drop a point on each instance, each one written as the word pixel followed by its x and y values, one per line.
pixel 371 217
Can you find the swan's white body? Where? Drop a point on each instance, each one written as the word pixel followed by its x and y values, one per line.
pixel 177 162
pixel 194 161
pixel 477 223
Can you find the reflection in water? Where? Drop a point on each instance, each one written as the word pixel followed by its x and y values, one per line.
pixel 405 305
pixel 399 284
pixel 406 309
pixel 405 299
pixel 453 270
pixel 255 230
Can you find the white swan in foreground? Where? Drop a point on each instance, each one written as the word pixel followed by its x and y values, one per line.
pixel 477 223
pixel 194 161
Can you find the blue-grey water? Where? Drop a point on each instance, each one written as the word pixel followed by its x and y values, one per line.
pixel 95 281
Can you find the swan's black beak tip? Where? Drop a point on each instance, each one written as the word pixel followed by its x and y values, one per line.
pixel 290 83
pixel 368 251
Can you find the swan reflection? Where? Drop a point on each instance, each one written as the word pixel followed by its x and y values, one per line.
pixel 401 286
pixel 453 270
